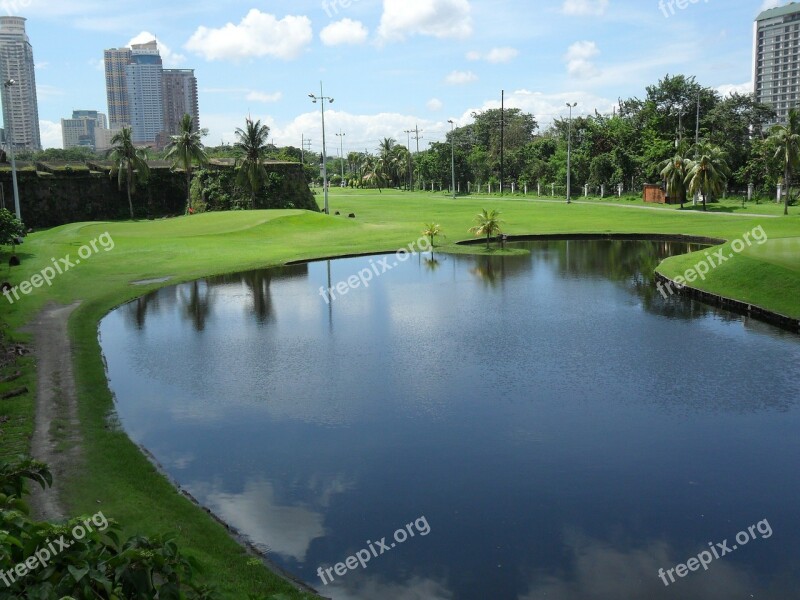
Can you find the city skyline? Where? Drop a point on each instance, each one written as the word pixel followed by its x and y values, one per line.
pixel 18 74
pixel 375 59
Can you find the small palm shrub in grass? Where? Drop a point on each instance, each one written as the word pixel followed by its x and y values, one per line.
pixel 487 223
pixel 431 231
pixel 84 558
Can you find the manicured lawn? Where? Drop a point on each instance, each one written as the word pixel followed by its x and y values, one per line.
pixel 115 473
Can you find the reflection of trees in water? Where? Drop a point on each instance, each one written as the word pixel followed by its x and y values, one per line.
pixel 196 298
pixel 431 263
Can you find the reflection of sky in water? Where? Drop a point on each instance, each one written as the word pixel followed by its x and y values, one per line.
pixel 503 399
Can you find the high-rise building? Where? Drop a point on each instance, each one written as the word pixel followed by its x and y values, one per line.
pixel 83 128
pixel 776 61
pixel 146 97
pixel 145 86
pixel 116 61
pixel 180 98
pixel 20 106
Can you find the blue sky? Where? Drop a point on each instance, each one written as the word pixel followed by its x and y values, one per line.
pixel 389 64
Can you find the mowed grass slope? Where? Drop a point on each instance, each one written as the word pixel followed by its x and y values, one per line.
pixel 117 475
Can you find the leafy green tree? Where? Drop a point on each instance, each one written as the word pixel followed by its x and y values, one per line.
pixel 252 148
pixel 186 149
pixel 11 229
pixel 787 140
pixel 130 163
pixel 487 223
pixel 708 173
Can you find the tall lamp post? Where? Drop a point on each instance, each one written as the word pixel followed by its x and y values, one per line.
pixel 569 153
pixel 9 126
pixel 341 135
pixel 453 153
pixel 322 100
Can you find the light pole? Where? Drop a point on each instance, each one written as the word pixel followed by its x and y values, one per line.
pixel 569 153
pixel 322 100
pixel 453 153
pixel 341 135
pixel 409 132
pixel 9 126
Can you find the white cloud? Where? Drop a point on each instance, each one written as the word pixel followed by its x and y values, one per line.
pixel 254 96
pixel 578 59
pixel 460 77
pixel 434 105
pixel 767 4
pixel 50 133
pixel 345 31
pixel 437 18
pixel 585 8
pixel 734 88
pixel 495 55
pixel 257 35
pixel 170 58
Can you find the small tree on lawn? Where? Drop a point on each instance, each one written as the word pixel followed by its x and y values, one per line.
pixel 488 224
pixel 11 229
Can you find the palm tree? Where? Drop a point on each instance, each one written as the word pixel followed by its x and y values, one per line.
pixel 787 139
pixel 488 224
pixel 251 145
pixel 185 149
pixel 674 171
pixel 431 231
pixel 707 173
pixel 130 163
pixel 386 159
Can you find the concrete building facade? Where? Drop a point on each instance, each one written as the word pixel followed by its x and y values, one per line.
pixel 776 58
pixel 20 104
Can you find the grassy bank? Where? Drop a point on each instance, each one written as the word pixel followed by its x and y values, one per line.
pixel 116 475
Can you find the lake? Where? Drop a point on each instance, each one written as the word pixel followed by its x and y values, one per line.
pixel 542 425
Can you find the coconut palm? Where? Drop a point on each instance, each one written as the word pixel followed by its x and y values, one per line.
pixel 787 139
pixel 251 146
pixel 488 224
pixel 130 163
pixel 431 231
pixel 674 171
pixel 707 173
pixel 185 149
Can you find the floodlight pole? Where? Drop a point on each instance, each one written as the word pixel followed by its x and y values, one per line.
pixel 341 135
pixel 569 153
pixel 9 126
pixel 322 100
pixel 453 153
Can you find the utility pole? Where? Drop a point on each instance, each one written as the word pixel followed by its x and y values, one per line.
pixel 322 99
pixel 697 128
pixel 453 153
pixel 409 132
pixel 569 153
pixel 417 137
pixel 341 135
pixel 303 148
pixel 502 139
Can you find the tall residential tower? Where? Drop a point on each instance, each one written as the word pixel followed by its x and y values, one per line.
pixel 20 106
pixel 776 58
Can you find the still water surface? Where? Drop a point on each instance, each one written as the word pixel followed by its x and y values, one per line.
pixel 563 430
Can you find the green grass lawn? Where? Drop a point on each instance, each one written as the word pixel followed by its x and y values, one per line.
pixel 115 473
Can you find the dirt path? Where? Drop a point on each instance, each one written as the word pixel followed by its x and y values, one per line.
pixel 56 435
